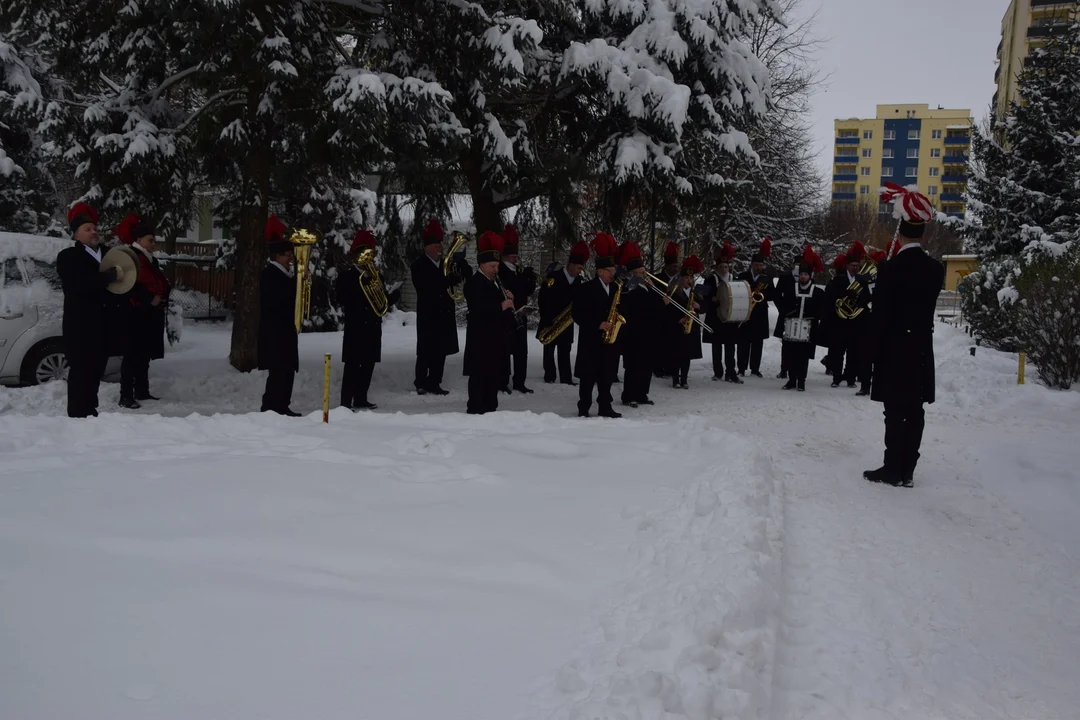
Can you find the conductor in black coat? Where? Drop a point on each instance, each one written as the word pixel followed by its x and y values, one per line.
pixel 595 363
pixel 361 343
pixel 490 320
pixel 521 283
pixel 724 337
pixel 902 324
pixel 278 344
pixel 85 299
pixel 436 315
pixel 755 331
pixel 556 295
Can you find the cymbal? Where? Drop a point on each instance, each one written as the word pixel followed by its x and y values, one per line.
pixel 127 269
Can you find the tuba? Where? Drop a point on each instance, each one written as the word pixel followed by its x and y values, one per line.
pixel 847 307
pixel 371 283
pixel 457 291
pixel 302 241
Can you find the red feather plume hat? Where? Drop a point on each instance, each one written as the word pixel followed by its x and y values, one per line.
pixel 913 209
pixel 363 238
pixel 274 232
pixel 579 254
pixel 489 247
pixel 510 239
pixel 606 249
pixel 692 265
pixel 125 228
pixel 877 256
pixel 840 263
pixel 857 252
pixel 630 256
pixel 811 262
pixel 726 253
pixel 671 253
pixel 433 233
pixel 81 214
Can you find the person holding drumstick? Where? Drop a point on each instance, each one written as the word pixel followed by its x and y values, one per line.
pixel 800 325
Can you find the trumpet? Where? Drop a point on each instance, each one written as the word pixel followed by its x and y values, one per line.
pixel 457 290
pixel 371 283
pixel 671 287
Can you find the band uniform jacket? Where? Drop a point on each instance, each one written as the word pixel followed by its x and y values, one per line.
pixel 555 295
pixel 436 318
pixel 902 327
pixel 592 305
pixel 278 343
pixel 486 336
pixel 722 332
pixel 85 320
pixel 783 297
pixel 684 345
pixel 522 286
pixel 145 321
pixel 643 310
pixel 838 290
pixel 362 340
pixel 814 308
pixel 757 327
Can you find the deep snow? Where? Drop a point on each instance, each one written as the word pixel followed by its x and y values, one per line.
pixel 716 556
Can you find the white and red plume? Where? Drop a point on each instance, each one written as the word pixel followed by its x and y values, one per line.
pixel 909 204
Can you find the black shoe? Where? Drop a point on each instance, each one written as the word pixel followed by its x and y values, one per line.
pixel 506 390
pixel 791 384
pixel 736 379
pixel 684 386
pixel 420 390
pixel 647 401
pixel 756 374
pixel 289 413
pixel 631 404
pixel 129 403
pixel 523 390
pixel 571 383
pixel 616 381
pixel 862 393
pixel 835 385
pixel 782 375
pixel 146 396
pixel 884 475
pixel 716 379
pixel 907 481
pixel 609 413
pixel 583 413
pixel 852 386
pixel 742 373
pixel 549 382
pixel 802 386
pixel 364 406
pixel 437 390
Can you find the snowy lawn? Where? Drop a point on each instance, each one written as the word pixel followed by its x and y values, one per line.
pixel 716 556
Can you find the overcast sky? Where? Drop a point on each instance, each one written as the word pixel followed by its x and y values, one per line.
pixel 940 52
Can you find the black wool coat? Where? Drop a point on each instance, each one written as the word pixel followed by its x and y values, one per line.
pixel 841 330
pixel 902 328
pixel 592 305
pixel 86 302
pixel 643 310
pixel 145 322
pixel 813 307
pixel 522 287
pixel 556 294
pixel 278 342
pixel 362 339
pixel 757 327
pixel 722 332
pixel 783 297
pixel 684 345
pixel 487 335
pixel 436 321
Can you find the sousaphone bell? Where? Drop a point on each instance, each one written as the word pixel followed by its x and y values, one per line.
pixel 126 263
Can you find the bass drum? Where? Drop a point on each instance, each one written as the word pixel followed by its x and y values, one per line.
pixel 733 303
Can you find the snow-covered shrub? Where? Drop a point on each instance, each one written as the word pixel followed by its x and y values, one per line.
pixel 1047 316
pixel 985 297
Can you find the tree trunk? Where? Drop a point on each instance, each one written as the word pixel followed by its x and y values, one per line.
pixel 250 258
pixel 486 215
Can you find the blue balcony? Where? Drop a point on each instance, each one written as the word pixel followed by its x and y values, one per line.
pixel 958 140
pixel 843 196
pixel 950 179
pixel 846 178
pixel 847 160
pixel 950 197
pixel 847 141
pixel 955 159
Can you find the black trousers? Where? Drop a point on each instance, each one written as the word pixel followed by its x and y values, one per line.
pixel 565 369
pixel 602 385
pixel 904 423
pixel 637 376
pixel 355 382
pixel 483 393
pixel 429 370
pixel 796 355
pixel 84 379
pixel 278 394
pixel 750 355
pixel 847 347
pixel 519 353
pixel 723 356
pixel 135 376
pixel 681 373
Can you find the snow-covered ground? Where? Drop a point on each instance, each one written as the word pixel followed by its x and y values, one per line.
pixel 715 556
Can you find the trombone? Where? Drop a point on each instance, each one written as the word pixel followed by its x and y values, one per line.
pixel 668 292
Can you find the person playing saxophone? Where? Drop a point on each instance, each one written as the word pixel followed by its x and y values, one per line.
pixel 594 307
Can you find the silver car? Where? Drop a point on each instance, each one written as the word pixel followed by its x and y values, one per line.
pixel 31 311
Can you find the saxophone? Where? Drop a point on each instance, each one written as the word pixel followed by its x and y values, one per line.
pixel 688 321
pixel 617 321
pixel 558 326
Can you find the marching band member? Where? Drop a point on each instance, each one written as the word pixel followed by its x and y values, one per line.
pixel 685 344
pixel 279 352
pixel 801 321
pixel 827 326
pixel 436 317
pixel 85 297
pixel 847 335
pixel 784 301
pixel 521 284
pixel 902 324
pixel 490 316
pixel 592 310
pixel 669 273
pixel 555 296
pixel 642 309
pixel 725 336
pixel 145 314
pixel 754 331
pixel 361 343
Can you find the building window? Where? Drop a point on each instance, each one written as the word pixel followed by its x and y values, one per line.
pixel 912 172
pixel 864 189
pixel 935 172
pixel 848 134
pixel 890 134
pixel 935 152
pixel 847 152
pixel 935 134
pixel 864 171
pixel 866 152
pixel 884 209
pixel 932 190
pixel 912 134
pixel 868 135
pixel 913 152
pixel 886 172
pixel 887 153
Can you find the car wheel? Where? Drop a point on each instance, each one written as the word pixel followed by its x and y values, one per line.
pixel 45 363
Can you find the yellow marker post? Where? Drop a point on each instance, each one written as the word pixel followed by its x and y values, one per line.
pixel 1020 371
pixel 326 389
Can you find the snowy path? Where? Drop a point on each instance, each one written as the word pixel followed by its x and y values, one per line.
pixel 717 556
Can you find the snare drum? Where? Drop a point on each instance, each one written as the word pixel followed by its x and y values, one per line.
pixel 733 304
pixel 797 330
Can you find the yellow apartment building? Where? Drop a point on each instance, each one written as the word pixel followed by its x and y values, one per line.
pixel 908 145
pixel 1027 24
